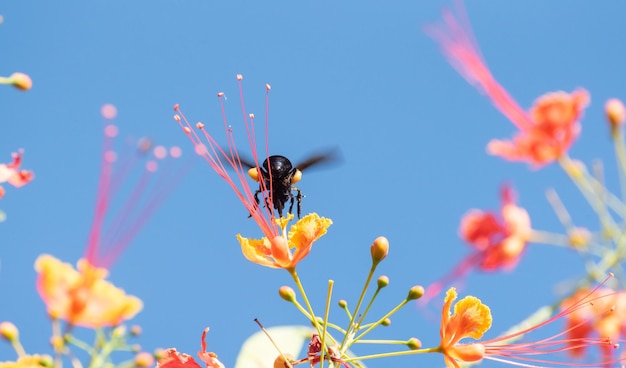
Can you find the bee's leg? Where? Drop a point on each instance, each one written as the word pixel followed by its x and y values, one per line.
pixel 291 197
pixel 279 205
pixel 298 198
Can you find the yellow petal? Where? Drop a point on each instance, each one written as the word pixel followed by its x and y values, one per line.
pixel 256 250
pixel 473 318
pixel 307 230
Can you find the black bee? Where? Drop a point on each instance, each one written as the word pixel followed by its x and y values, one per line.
pixel 277 176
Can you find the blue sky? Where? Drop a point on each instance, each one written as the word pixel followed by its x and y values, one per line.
pixel 362 76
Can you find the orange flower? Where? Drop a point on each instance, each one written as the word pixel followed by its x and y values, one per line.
pixel 10 173
pixel 273 250
pixel 471 319
pixel 276 252
pixel 174 359
pixel 605 318
pixel 498 240
pixel 546 132
pixel 82 296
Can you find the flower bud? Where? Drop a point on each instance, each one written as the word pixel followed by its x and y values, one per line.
pixel 9 331
pixel 379 249
pixel 284 361
pixel 144 360
pixel 615 114
pixel 287 293
pixel 415 292
pixel 57 342
pixel 414 343
pixel 160 353
pixel 118 332
pixel 135 330
pixel 383 281
pixel 579 237
pixel 386 322
pixel 21 81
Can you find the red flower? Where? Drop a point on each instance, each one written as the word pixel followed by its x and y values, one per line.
pixel 174 359
pixel 13 175
pixel 498 241
pixel 546 132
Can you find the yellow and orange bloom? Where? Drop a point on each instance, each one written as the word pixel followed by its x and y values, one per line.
pixel 82 296
pixel 274 249
pixel 471 319
pixel 11 173
pixel 276 252
pixel 498 241
pixel 546 131
pixel 174 359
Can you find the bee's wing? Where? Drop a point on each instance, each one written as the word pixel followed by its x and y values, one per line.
pixel 329 156
pixel 245 160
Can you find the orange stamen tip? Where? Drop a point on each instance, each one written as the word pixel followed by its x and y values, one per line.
pixel 21 81
pixel 177 118
pixel 220 94
pixel 187 130
pixel 239 77
pixel 176 107
pixel 268 87
pixel 199 125
pixel 611 274
pixel 251 116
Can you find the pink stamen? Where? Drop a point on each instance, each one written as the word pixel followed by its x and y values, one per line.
pixel 217 158
pixel 132 214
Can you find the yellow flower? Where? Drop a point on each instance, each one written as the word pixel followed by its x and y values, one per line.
pixel 82 297
pixel 277 252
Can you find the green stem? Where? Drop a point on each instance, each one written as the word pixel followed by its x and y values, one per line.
pixel 312 316
pixel 358 306
pixel 375 324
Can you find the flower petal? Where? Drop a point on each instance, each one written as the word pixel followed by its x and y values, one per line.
pixel 257 251
pixel 306 231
